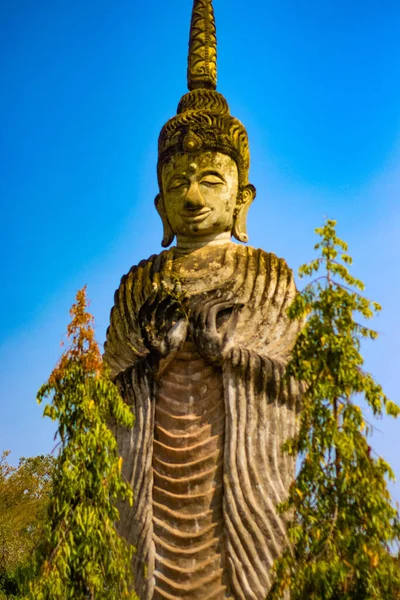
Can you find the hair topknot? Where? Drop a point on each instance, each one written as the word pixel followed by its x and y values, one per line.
pixel 203 121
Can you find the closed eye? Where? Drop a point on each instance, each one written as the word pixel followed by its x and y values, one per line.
pixel 176 184
pixel 211 181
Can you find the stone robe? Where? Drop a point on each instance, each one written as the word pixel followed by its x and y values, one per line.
pixel 259 413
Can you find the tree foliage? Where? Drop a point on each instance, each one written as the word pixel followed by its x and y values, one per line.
pixel 24 493
pixel 344 526
pixel 83 556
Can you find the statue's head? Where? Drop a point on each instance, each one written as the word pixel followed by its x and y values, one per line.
pixel 203 152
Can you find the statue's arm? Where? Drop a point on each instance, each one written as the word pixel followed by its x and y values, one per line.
pixel 124 346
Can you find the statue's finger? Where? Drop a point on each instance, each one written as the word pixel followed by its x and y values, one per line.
pixel 184 300
pixel 148 303
pixel 208 305
pixel 214 309
pixel 162 311
pixel 177 334
pixel 196 313
pixel 178 288
pixel 197 303
pixel 233 320
pixel 173 313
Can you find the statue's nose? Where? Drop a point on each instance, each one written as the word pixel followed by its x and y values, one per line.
pixel 194 200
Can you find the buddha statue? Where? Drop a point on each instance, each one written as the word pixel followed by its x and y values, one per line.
pixel 198 342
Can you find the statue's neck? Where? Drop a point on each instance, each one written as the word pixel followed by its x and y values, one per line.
pixel 193 243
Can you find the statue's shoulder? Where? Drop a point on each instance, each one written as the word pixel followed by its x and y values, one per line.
pixel 140 277
pixel 265 260
pixel 149 266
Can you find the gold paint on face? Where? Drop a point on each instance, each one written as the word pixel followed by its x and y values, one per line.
pixel 200 193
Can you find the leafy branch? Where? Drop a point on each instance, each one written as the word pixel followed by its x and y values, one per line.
pixel 344 525
pixel 83 556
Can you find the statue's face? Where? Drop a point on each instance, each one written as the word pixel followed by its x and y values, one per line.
pixel 200 193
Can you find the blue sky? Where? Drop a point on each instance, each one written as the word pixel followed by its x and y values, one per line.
pixel 86 87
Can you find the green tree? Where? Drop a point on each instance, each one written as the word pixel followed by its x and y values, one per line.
pixel 24 493
pixel 83 556
pixel 344 526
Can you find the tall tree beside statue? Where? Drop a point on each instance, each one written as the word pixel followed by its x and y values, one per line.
pixel 82 556
pixel 345 526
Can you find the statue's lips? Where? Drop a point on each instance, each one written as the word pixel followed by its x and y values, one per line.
pixel 196 216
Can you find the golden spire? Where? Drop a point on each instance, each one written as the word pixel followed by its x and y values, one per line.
pixel 202 59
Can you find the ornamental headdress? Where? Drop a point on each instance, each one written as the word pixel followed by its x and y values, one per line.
pixel 203 121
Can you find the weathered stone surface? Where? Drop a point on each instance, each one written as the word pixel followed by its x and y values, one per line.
pixel 188 452
pixel 258 413
pixel 198 342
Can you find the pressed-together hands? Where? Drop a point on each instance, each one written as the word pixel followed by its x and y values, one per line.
pixel 168 316
pixel 164 324
pixel 213 322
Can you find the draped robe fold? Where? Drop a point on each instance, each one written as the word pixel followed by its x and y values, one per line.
pixel 261 407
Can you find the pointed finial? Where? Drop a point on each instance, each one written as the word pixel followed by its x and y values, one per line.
pixel 202 59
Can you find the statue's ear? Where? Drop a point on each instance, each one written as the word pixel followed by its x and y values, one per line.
pixel 168 235
pixel 240 223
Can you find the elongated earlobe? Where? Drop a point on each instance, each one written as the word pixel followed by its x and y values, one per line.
pixel 168 235
pixel 240 223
